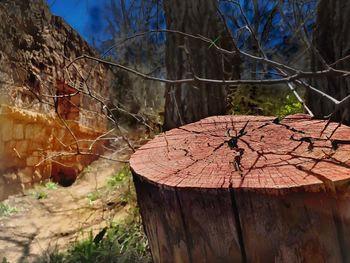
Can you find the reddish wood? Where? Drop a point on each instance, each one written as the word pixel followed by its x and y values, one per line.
pixel 289 202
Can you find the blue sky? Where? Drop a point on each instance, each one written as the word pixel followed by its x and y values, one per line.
pixel 85 16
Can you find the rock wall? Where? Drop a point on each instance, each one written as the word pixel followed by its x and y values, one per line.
pixel 35 49
pixel 35 146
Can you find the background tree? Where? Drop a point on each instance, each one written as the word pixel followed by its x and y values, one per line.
pixel 131 94
pixel 272 37
pixel 332 43
pixel 187 57
pixel 274 29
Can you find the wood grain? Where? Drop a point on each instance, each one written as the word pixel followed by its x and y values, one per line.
pixel 287 202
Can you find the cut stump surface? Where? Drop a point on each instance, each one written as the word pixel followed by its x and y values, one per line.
pixel 282 156
pixel 247 189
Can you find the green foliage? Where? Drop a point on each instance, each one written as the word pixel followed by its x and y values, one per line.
pixel 127 197
pixel 88 169
pixel 121 243
pixel 268 101
pixel 50 185
pixel 39 193
pixel 291 106
pixel 52 255
pixel 7 210
pixel 93 196
pixel 122 183
pixel 119 179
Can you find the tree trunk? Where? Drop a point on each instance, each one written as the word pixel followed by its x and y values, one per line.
pixel 332 40
pixel 274 192
pixel 188 103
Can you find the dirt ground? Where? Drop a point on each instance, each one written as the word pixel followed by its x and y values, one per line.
pixel 65 215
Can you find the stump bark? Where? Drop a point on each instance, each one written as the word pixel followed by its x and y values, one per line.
pixel 246 189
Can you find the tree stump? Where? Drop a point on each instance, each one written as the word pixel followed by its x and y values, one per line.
pixel 246 189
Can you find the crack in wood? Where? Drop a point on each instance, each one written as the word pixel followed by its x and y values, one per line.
pixel 237 161
pixel 284 162
pixel 340 234
pixel 236 216
pixel 233 142
pixel 200 133
pixel 182 216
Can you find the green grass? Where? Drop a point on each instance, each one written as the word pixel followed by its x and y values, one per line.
pixel 93 196
pixel 291 106
pixel 120 242
pixel 121 182
pixel 50 185
pixel 52 255
pixel 39 193
pixel 120 178
pixel 7 210
pixel 88 169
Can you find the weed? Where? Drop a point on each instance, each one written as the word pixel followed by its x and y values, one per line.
pixel 7 210
pixel 93 196
pixel 117 181
pixel 125 242
pixel 120 178
pixel 51 255
pixel 39 193
pixel 88 169
pixel 50 185
pixel 291 106
pixel 119 242
pixel 270 101
pixel 123 180
pixel 128 197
